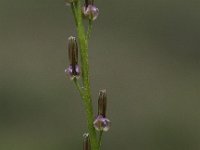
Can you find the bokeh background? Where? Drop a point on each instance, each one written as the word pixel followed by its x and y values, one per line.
pixel 145 53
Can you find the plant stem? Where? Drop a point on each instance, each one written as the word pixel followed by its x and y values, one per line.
pixel 100 137
pixel 74 13
pixel 83 43
pixel 79 88
pixel 89 29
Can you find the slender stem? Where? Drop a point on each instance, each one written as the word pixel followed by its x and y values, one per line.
pixel 100 137
pixel 79 88
pixel 83 43
pixel 89 29
pixel 74 13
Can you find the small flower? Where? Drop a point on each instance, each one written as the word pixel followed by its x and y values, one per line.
pixel 86 141
pixel 102 123
pixel 73 70
pixel 90 10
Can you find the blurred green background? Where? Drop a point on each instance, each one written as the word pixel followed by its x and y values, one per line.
pixel 145 53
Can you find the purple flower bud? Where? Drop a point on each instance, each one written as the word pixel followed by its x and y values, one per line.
pixel 101 123
pixel 90 11
pixel 73 70
pixel 86 142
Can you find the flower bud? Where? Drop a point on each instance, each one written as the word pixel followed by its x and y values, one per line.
pixel 73 70
pixel 86 142
pixel 90 10
pixel 102 123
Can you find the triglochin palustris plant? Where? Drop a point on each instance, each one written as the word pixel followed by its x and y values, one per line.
pixel 78 72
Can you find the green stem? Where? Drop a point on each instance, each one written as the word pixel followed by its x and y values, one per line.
pixel 100 137
pixel 79 88
pixel 83 43
pixel 74 13
pixel 89 29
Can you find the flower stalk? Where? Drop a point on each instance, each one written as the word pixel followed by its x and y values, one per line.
pixel 86 94
pixel 91 13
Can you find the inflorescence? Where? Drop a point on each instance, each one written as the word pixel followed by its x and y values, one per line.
pixel 101 123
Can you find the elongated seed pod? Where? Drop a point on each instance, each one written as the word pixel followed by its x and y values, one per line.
pixel 102 103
